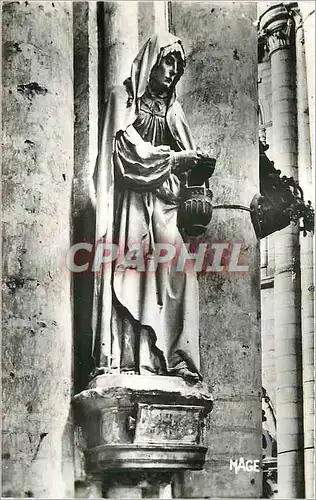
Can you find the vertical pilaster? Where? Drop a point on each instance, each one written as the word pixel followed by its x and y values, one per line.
pixel 120 45
pixel 85 39
pixel 308 18
pixel 85 35
pixel 161 15
pixel 152 18
pixel 120 41
pixel 37 114
pixel 279 27
pixel 306 258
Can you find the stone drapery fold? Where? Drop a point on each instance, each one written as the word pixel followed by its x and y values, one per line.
pixel 164 303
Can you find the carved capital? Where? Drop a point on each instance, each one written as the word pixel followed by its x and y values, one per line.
pixel 281 38
pixel 276 28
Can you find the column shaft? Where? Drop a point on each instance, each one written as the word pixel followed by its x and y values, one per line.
pixel 308 13
pixel 287 270
pixel 37 89
pixel 120 49
pixel 152 18
pixel 121 41
pixel 307 262
pixel 86 100
pixel 86 79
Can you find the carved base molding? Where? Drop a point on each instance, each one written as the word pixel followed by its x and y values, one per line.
pixel 137 423
pixel 174 456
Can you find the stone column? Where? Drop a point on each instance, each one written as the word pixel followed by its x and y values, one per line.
pixel 278 25
pixel 120 41
pixel 308 14
pixel 306 257
pixel 86 101
pixel 37 91
pixel 105 44
pixel 120 48
pixel 161 15
pixel 152 18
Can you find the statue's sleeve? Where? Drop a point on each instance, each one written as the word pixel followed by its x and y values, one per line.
pixel 141 164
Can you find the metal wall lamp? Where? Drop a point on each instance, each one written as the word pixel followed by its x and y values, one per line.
pixel 280 201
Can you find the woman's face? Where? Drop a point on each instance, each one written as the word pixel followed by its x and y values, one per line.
pixel 165 73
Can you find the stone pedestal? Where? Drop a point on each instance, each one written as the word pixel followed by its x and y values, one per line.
pixel 147 425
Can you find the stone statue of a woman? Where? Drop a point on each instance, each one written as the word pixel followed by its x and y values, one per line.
pixel 145 321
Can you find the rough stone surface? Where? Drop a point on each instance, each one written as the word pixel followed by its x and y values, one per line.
pixel 37 173
pixel 219 95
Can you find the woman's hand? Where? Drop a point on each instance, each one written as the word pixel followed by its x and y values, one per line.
pixel 204 155
pixel 186 160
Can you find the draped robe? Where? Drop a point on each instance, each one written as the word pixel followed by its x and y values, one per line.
pixel 144 321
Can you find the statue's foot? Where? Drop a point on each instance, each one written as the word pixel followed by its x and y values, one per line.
pixel 187 375
pixel 147 370
pixel 99 371
pixel 110 371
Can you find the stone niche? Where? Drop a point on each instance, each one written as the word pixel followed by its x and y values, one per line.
pixel 148 426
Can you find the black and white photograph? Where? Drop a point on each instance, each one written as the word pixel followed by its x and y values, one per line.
pixel 158 249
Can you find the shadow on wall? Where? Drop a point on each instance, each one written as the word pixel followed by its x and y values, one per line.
pixel 83 230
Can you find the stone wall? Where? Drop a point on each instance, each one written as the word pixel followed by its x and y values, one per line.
pixel 37 88
pixel 219 96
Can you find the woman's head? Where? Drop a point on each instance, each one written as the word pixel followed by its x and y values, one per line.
pixel 167 70
pixel 153 61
